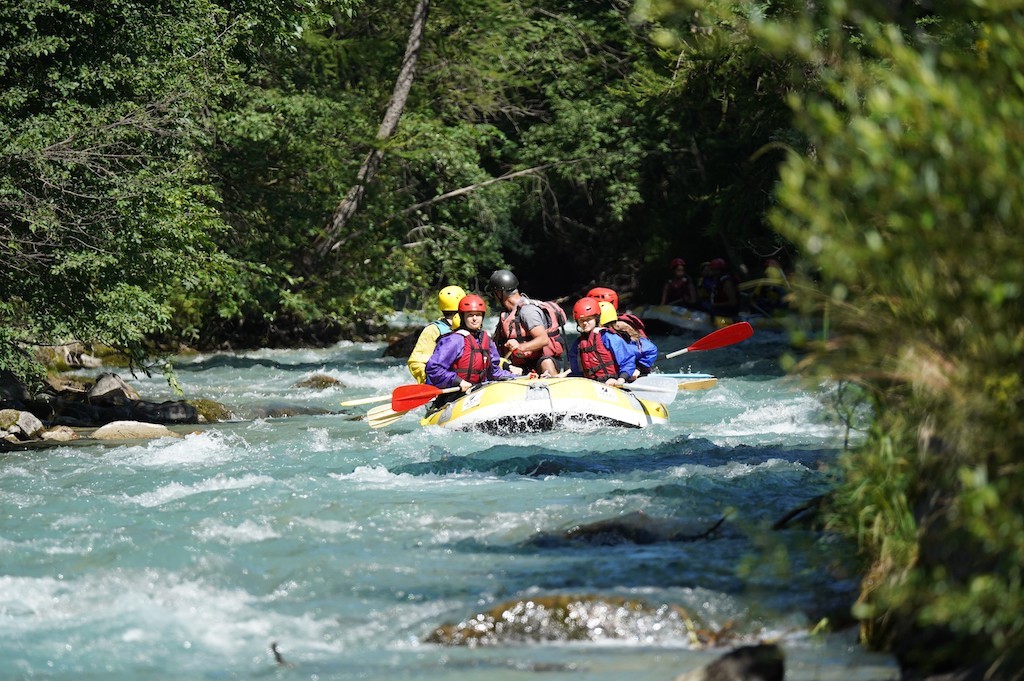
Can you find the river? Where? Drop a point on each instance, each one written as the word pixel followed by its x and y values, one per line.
pixel 347 546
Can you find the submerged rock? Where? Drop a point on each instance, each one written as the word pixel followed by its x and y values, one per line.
pixel 210 411
pixel 319 382
pixel 764 662
pixel 631 528
pixel 573 618
pixel 403 345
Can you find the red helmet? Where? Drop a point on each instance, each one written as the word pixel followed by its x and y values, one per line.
pixel 602 293
pixel 472 303
pixel 585 307
pixel 677 262
pixel 717 264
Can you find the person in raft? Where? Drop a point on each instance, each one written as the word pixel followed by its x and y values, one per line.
pixel 528 331
pixel 606 294
pixel 467 356
pixel 679 289
pixel 631 330
pixel 600 353
pixel 626 324
pixel 448 301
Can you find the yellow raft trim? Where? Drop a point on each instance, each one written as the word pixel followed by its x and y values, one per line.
pixel 526 404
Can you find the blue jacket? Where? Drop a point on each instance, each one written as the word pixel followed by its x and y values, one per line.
pixel 648 352
pixel 626 354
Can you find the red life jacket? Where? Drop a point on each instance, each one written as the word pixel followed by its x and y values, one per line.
pixel 635 322
pixel 596 360
pixel 510 327
pixel 475 359
pixel 678 289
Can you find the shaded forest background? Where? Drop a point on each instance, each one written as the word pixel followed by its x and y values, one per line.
pixel 172 171
pixel 186 158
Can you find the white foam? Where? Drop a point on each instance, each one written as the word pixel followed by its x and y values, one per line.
pixel 195 449
pixel 153 608
pixel 783 418
pixel 249 531
pixel 176 490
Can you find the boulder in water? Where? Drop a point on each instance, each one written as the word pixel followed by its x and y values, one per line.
pixel 762 662
pixel 132 430
pixel 319 382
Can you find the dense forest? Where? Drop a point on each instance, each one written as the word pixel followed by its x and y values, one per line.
pixel 229 172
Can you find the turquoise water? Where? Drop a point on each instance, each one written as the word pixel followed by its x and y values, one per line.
pixel 187 558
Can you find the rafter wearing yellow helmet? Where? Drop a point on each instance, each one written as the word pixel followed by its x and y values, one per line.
pixel 448 302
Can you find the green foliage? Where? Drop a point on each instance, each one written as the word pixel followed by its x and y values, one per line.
pixel 107 205
pixel 911 207
pixel 907 201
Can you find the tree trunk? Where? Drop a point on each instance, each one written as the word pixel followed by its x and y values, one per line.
pixel 332 238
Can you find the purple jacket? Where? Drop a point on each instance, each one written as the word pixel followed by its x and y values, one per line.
pixel 448 351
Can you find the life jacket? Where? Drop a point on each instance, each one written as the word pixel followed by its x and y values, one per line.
pixel 706 290
pixel 716 290
pixel 596 360
pixel 677 289
pixel 635 322
pixel 511 327
pixel 443 325
pixel 475 359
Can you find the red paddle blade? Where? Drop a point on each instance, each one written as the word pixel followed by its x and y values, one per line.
pixel 406 397
pixel 733 333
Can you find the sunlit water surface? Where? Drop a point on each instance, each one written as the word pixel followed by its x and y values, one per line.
pixel 186 558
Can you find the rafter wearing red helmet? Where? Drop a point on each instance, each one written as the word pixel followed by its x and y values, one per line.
pixel 679 289
pixel 467 356
pixel 600 353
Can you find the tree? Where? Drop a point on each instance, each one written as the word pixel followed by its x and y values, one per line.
pixel 332 238
pixel 107 206
pixel 907 203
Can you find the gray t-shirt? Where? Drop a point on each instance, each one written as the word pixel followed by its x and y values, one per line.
pixel 531 315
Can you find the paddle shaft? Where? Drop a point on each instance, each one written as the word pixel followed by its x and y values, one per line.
pixel 366 400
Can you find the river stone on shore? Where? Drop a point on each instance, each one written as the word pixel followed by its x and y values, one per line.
pixel 59 434
pixel 132 430
pixel 19 425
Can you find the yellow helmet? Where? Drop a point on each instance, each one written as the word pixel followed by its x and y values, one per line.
pixel 448 298
pixel 607 312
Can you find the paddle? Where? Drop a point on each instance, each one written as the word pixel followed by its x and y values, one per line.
pixel 698 384
pixel 684 377
pixel 366 400
pixel 734 333
pixel 654 388
pixel 693 381
pixel 406 397
pixel 382 416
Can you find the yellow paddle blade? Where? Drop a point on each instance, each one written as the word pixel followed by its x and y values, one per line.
pixel 698 384
pixel 382 416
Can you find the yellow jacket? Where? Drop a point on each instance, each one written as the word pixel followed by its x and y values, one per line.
pixel 417 362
